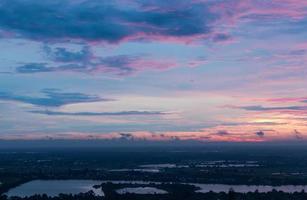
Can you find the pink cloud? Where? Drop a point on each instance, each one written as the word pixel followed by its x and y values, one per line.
pixel 231 12
pixel 134 65
pixel 287 99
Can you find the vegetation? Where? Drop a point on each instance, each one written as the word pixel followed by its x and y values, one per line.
pixel 275 166
pixel 274 195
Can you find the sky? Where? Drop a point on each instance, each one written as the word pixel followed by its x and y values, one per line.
pixel 154 70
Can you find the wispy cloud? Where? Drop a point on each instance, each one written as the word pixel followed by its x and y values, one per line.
pixel 222 132
pixel 120 65
pixel 60 54
pixel 122 113
pixel 52 98
pixel 288 99
pixel 34 68
pixel 277 108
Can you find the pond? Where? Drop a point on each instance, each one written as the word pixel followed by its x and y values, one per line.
pixel 141 190
pixel 249 188
pixel 55 187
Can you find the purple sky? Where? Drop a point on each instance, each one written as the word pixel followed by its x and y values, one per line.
pixel 209 70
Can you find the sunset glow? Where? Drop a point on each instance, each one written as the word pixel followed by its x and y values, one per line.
pixel 201 70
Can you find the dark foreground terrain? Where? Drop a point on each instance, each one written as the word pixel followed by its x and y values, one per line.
pixel 208 196
pixel 171 167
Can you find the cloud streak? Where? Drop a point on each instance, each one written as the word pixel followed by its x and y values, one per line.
pixel 122 113
pixel 52 98
pixel 119 65
pixel 63 55
pixel 277 108
pixel 222 133
pixel 288 99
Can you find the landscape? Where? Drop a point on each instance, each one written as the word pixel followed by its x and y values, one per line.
pixel 153 100
pixel 211 171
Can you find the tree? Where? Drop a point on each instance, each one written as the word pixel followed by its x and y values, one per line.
pixel 231 194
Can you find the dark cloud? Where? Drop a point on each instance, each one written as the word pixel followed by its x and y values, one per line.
pixel 52 98
pixel 222 133
pixel 6 73
pixel 298 135
pixel 261 108
pixel 122 113
pixel 253 123
pixel 126 136
pixel 94 20
pixel 298 52
pixel 120 65
pixel 260 134
pixel 121 62
pixel 79 61
pixel 61 54
pixel 33 68
pixel 221 37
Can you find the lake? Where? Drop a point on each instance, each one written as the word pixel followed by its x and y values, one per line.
pixel 55 187
pixel 249 188
pixel 141 190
